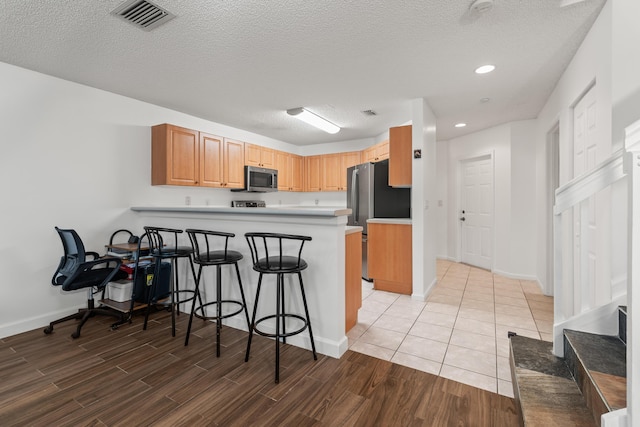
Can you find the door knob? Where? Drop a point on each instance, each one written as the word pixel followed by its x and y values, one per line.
pixel 462 219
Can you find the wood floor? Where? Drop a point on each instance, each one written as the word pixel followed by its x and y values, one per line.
pixel 135 377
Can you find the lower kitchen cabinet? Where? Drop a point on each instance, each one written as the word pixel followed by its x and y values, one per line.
pixel 389 257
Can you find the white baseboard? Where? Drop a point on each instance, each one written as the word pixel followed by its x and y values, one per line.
pixel 26 325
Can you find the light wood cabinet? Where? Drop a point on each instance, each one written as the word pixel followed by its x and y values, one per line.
pixel 297 173
pixel 353 279
pixel 389 257
pixel 175 155
pixel 181 156
pixel 377 152
pixel 221 162
pixel 400 156
pixel 334 170
pixel 290 171
pixel 313 175
pixel 330 172
pixel 256 155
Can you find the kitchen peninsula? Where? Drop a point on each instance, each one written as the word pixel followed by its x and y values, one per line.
pixel 324 279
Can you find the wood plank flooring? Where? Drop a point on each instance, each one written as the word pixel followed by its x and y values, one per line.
pixel 134 377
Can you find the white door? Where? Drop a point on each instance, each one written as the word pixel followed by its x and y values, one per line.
pixel 476 212
pixel 588 258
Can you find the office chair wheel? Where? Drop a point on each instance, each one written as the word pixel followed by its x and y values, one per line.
pixel 75 335
pixel 48 330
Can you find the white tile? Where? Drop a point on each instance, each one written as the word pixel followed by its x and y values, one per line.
pixel 473 341
pixel 394 323
pixel 503 330
pixel 357 331
pixel 416 362
pixel 471 360
pixel 477 305
pixel 404 311
pixel 434 318
pixel 504 368
pixel 387 298
pixel 374 306
pixel 432 332
pixel 451 309
pixel 481 315
pixel 372 350
pixel 367 318
pixel 382 338
pixel 473 379
pixel 471 325
pixel 424 348
pixel 445 299
pixel 510 300
pixel 505 388
pixel 516 321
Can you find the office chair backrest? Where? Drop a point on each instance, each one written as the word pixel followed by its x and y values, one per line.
pixel 74 255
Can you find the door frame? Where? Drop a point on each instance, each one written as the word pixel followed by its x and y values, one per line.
pixel 551 184
pixel 460 161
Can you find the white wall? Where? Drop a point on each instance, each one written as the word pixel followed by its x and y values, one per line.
pixel 442 201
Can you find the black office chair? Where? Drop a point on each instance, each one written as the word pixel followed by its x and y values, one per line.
pixel 76 272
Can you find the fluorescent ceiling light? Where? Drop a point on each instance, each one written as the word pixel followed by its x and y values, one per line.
pixel 313 120
pixel 460 125
pixel 485 69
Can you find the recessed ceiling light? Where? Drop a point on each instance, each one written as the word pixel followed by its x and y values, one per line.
pixel 485 69
pixel 460 125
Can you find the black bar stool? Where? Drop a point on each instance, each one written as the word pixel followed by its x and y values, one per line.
pixel 278 254
pixel 206 253
pixel 163 245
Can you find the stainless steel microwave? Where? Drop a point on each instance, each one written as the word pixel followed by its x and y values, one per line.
pixel 259 180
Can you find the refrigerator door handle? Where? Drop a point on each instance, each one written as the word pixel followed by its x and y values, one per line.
pixel 355 199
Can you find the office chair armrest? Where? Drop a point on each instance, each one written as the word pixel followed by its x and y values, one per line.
pixel 90 265
pixel 95 255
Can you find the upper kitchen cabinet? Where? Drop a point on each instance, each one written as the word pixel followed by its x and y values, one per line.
pixel 334 170
pixel 221 162
pixel 255 155
pixel 376 152
pixel 400 154
pixel 290 175
pixel 187 157
pixel 175 155
pixel 313 173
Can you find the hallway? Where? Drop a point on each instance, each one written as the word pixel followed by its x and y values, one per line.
pixel 460 332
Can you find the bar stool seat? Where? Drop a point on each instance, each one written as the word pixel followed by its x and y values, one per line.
pixel 279 254
pixel 204 254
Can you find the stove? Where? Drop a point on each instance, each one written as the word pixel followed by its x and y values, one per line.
pixel 248 204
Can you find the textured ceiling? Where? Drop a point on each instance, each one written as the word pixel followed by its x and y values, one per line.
pixel 244 62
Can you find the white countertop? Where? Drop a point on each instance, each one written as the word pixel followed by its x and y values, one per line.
pixel 350 229
pixel 397 221
pixel 316 211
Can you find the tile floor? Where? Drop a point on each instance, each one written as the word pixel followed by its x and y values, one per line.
pixel 460 332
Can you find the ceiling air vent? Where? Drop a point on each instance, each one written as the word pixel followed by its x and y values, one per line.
pixel 143 14
pixel 369 113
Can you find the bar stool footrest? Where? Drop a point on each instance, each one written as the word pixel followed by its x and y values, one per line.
pixel 281 335
pixel 224 316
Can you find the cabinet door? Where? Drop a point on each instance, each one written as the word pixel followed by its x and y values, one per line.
pixel 368 154
pixel 252 155
pixel 267 158
pixel 283 165
pixel 174 155
pixel 331 164
pixel 400 154
pixel 348 159
pixel 382 151
pixel 233 164
pixel 211 161
pixel 297 173
pixel 353 279
pixel 389 257
pixel 313 168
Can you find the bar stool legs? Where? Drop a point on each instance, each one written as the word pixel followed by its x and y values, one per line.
pixel 218 304
pixel 280 320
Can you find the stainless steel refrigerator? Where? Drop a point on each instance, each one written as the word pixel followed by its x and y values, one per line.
pixel 370 196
